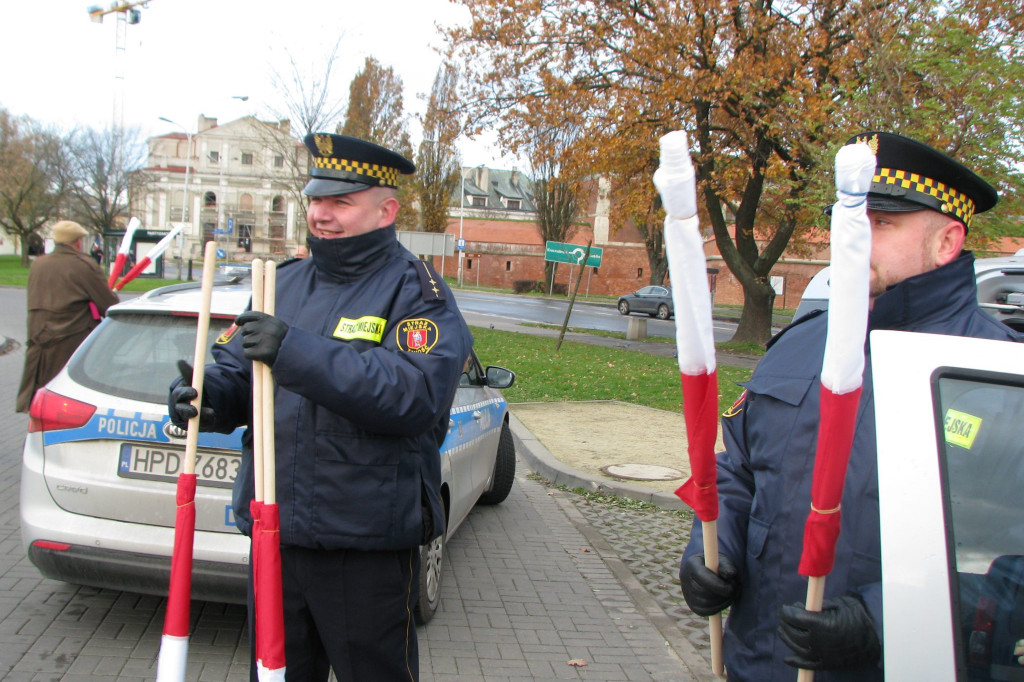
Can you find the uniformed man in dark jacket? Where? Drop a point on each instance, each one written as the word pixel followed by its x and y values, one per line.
pixel 920 206
pixel 67 297
pixel 366 349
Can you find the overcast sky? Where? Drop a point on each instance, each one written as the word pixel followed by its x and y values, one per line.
pixel 190 57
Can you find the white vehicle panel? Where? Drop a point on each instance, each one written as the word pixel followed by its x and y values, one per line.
pixel 917 602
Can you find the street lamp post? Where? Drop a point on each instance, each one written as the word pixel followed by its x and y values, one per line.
pixel 462 215
pixel 184 196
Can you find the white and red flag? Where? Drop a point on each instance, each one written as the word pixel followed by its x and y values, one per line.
pixel 174 642
pixel 842 367
pixel 266 530
pixel 153 254
pixel 695 347
pixel 122 251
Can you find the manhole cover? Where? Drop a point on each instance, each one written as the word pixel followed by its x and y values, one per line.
pixel 642 472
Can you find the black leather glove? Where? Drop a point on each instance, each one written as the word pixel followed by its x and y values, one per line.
pixel 262 335
pixel 707 592
pixel 842 634
pixel 179 403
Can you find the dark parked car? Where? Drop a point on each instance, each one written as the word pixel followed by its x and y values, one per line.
pixel 654 300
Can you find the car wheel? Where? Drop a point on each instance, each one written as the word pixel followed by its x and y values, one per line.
pixel 662 312
pixel 623 308
pixel 431 573
pixel 504 469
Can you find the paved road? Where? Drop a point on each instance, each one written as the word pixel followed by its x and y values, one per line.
pixel 536 582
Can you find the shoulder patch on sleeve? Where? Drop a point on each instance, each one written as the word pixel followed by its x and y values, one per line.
pixel 228 334
pixel 430 281
pixel 417 335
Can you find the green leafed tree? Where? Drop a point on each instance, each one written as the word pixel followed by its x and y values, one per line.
pixel 438 164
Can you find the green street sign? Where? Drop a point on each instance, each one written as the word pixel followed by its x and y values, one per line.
pixel 560 252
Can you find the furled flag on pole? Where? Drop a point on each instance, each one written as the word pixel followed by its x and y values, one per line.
pixel 266 533
pixel 122 251
pixel 174 643
pixel 695 347
pixel 153 254
pixel 842 367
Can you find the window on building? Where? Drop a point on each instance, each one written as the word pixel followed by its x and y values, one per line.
pixel 246 158
pixel 469 263
pixel 478 201
pixel 277 204
pixel 214 157
pixel 278 161
pixel 209 199
pixel 245 202
pixel 639 273
pixel 508 266
pixel 513 204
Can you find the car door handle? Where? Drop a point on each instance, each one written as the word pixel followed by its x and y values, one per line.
pixel 477 414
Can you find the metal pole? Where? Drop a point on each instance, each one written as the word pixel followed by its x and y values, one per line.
pixel 462 215
pixel 184 195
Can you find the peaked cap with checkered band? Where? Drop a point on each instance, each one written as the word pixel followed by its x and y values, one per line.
pixel 910 175
pixel 343 164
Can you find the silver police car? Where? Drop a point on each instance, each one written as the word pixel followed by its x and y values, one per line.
pixel 101 458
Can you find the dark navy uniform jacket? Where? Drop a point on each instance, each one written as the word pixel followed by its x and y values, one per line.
pixel 364 381
pixel 764 476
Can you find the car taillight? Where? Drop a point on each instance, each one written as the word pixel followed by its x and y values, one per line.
pixel 49 544
pixel 51 411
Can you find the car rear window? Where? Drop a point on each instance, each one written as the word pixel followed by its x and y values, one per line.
pixel 982 454
pixel 135 356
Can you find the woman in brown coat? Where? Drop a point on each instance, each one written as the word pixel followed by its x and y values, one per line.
pixel 61 287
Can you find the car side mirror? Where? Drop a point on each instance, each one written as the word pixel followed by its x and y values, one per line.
pixel 499 377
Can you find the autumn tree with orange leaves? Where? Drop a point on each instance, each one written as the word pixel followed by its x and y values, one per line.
pixel 766 90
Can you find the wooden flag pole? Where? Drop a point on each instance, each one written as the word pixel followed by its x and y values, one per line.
pixel 257 385
pixel 199 358
pixel 269 476
pixel 815 598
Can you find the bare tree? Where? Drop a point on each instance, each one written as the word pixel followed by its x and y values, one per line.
pixel 555 192
pixel 32 175
pixel 307 104
pixel 103 168
pixel 438 162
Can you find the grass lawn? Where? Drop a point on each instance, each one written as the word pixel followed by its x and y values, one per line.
pixel 581 371
pixel 12 274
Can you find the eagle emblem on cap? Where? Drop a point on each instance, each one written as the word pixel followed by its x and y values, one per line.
pixel 324 144
pixel 871 142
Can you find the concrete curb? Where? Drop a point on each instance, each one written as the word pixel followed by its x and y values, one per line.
pixel 542 462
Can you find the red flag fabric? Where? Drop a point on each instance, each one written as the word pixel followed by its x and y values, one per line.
pixel 179 596
pixel 268 597
pixel 700 408
pixel 835 438
pixel 116 269
pixel 174 642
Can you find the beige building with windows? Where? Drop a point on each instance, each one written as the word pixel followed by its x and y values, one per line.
pixel 243 189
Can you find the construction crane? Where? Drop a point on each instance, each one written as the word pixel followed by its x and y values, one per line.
pixel 127 12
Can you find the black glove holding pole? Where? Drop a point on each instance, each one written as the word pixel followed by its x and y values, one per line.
pixel 179 402
pixel 707 592
pixel 841 635
pixel 262 335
